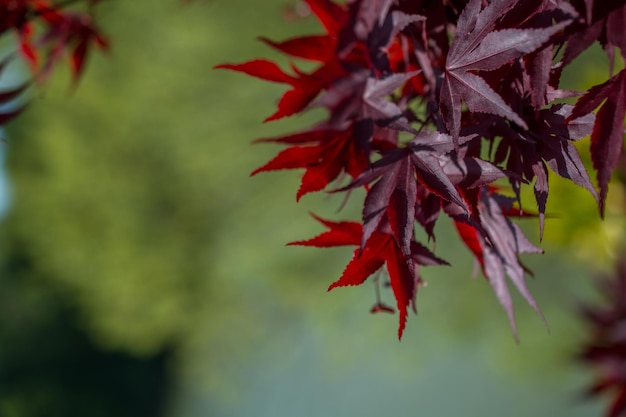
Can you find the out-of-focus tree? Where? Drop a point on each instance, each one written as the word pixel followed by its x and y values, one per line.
pixel 118 246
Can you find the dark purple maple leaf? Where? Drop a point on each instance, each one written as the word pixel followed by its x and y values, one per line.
pixel 394 196
pixel 361 97
pixel 496 246
pixel 602 21
pixel 548 142
pixel 377 107
pixel 477 47
pixel 607 137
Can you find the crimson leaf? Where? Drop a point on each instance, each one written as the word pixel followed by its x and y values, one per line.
pixel 381 249
pixel 323 153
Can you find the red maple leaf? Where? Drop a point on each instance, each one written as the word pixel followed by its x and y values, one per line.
pixel 319 48
pixel 75 33
pixel 340 54
pixel 325 154
pixel 304 87
pixel 381 249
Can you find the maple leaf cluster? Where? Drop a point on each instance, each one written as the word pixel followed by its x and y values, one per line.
pixel 475 87
pixel 46 32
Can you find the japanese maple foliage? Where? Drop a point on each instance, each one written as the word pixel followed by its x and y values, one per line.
pixel 475 87
pixel 47 31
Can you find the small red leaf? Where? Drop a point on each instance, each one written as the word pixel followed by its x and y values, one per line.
pixel 403 282
pixel 291 158
pixel 330 15
pixel 315 48
pixel 294 101
pixel 363 264
pixel 261 68
pixel 340 234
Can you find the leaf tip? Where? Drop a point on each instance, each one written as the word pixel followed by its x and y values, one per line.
pixel 302 191
pixel 273 117
pixel 402 323
pixel 400 333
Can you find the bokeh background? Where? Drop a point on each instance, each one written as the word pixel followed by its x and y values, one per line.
pixel 145 274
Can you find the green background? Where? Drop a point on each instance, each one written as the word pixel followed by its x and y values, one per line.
pixel 146 274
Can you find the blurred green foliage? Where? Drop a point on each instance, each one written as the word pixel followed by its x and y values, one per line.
pixel 139 253
pixel 132 202
pixel 122 186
